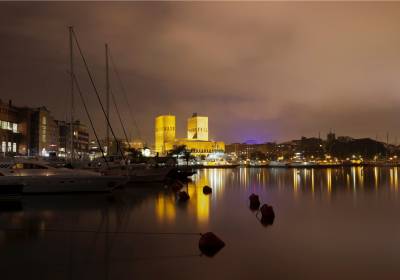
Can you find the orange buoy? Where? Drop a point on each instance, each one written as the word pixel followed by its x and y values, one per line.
pixel 254 202
pixel 207 190
pixel 210 244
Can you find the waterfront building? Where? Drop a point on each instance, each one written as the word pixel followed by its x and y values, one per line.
pixel 165 131
pixel 197 141
pixel 10 138
pixel 80 139
pixel 27 131
pixel 197 128
pixel 44 134
pixel 34 132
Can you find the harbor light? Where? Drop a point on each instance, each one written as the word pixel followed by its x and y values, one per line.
pixel 146 152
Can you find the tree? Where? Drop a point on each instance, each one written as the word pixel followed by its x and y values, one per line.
pixel 181 151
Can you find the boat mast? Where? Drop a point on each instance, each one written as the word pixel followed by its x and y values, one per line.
pixel 107 102
pixel 71 63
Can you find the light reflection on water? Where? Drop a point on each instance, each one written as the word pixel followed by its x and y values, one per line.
pixel 346 218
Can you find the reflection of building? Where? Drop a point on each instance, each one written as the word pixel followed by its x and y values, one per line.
pixel 197 132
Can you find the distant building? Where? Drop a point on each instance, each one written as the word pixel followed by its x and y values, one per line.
pixel 245 150
pixel 137 144
pixel 80 139
pixel 197 128
pixel 44 134
pixel 197 133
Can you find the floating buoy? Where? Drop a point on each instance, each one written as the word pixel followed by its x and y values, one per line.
pixel 254 202
pixel 183 196
pixel 210 244
pixel 207 190
pixel 267 214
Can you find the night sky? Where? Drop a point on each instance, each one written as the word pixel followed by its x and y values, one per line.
pixel 260 71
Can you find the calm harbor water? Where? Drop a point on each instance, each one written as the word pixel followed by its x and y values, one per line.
pixel 329 224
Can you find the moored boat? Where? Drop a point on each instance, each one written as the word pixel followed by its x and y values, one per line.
pixel 40 177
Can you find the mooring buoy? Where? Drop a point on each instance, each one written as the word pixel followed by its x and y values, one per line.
pixel 254 202
pixel 210 244
pixel 207 190
pixel 267 214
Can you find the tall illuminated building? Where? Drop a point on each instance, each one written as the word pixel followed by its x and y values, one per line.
pixel 197 128
pixel 164 132
pixel 197 136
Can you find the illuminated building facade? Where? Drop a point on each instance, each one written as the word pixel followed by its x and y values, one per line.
pixel 197 128
pixel 10 138
pixel 197 131
pixel 34 132
pixel 165 130
pixel 80 139
pixel 44 133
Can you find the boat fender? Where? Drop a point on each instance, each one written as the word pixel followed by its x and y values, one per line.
pixel 210 244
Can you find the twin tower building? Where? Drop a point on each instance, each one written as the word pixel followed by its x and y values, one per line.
pixel 197 136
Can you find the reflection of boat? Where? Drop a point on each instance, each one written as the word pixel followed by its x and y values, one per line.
pixel 39 177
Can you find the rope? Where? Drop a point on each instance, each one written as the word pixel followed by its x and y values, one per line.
pixel 122 88
pixel 97 93
pixel 90 119
pixel 120 119
pixel 105 232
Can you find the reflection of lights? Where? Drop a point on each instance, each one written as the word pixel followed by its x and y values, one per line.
pixel 376 175
pixel 165 208
pixel 202 205
pixel 312 181
pixel 391 178
pixel 329 179
pixel 353 177
pixel 211 178
pixel 296 180
pixel 360 174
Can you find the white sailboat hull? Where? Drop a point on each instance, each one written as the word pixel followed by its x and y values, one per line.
pixel 62 184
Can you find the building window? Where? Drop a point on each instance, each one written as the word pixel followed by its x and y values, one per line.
pixel 15 128
pixel 3 146
pixel 44 122
pixel 14 147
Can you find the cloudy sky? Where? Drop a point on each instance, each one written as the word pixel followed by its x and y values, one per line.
pixel 260 71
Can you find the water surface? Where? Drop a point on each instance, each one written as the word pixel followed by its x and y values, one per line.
pixel 330 224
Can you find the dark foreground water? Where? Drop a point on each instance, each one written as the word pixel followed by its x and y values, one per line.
pixel 330 224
